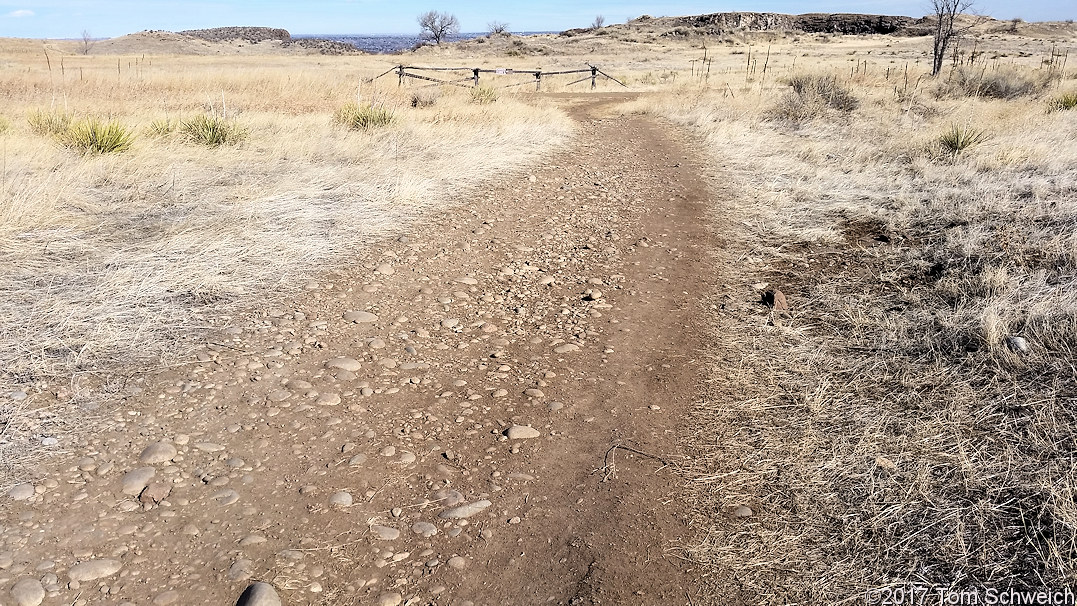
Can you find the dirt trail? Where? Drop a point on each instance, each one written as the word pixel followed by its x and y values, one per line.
pixel 493 430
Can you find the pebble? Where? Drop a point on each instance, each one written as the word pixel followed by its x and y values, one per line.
pixel 349 364
pixel 385 269
pixel 225 496
pixel 328 399
pixel 21 492
pixel 341 499
pixel 522 432
pixel 259 594
pixel 136 480
pixel 158 452
pixel 464 511
pixel 457 563
pixel 252 539
pixel 424 528
pixel 1017 344
pixel 28 592
pixel 389 599
pixel 278 395
pixel 447 497
pixel 555 406
pixel 566 348
pixel 165 598
pixel 360 317
pixel 534 393
pixel 241 570
pixel 93 569
pixel 743 511
pixel 208 447
pixel 385 533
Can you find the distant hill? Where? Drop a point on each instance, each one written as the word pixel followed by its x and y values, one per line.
pixel 220 41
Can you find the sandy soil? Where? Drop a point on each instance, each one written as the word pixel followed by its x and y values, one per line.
pixel 499 427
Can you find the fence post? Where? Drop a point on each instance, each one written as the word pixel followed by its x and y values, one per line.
pixel 538 80
pixel 594 74
pixel 476 72
pixel 400 74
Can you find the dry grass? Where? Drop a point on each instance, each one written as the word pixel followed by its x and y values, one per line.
pixel 911 420
pixel 113 261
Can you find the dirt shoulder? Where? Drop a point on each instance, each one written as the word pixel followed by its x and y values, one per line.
pixel 500 423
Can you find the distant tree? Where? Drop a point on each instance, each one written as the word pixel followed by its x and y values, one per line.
pixel 946 11
pixel 87 42
pixel 598 22
pixel 497 28
pixel 438 26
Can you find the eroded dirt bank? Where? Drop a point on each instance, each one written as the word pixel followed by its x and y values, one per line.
pixel 480 412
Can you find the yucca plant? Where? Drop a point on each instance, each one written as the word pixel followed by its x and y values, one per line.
pixel 364 117
pixel 161 128
pixel 960 138
pixel 93 136
pixel 48 122
pixel 212 131
pixel 1063 102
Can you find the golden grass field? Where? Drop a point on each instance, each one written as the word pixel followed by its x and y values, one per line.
pixel 911 419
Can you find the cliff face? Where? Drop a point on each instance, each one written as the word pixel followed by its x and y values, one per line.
pixel 834 23
pixel 253 35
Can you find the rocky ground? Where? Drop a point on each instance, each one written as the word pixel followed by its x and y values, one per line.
pixel 483 411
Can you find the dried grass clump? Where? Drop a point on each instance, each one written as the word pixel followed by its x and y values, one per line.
pixel 483 95
pixel 93 136
pixel 959 138
pixel 364 117
pixel 426 97
pixel 812 96
pixel 48 123
pixel 997 83
pixel 212 130
pixel 162 127
pixel 5 125
pixel 1063 102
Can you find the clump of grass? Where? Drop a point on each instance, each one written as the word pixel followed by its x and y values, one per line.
pixel 212 130
pixel 4 125
pixel 826 88
pixel 49 122
pixel 94 136
pixel 483 95
pixel 812 96
pixel 364 117
pixel 425 97
pixel 1002 83
pixel 960 138
pixel 1060 103
pixel 162 127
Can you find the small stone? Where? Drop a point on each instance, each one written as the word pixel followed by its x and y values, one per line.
pixel 534 393
pixel 136 480
pixel 328 399
pixel 464 511
pixel 450 322
pixel 259 594
pixel 447 497
pixel 165 598
pixel 742 511
pixel 522 432
pixel 252 539
pixel 341 499
pixel 426 529
pixel 385 269
pixel 555 406
pixel 1017 344
pixel 93 570
pixel 155 492
pixel 241 570
pixel 385 533
pixel 457 563
pixel 27 592
pixel 158 452
pixel 225 496
pixel 278 395
pixel 21 492
pixel 566 348
pixel 349 364
pixel 360 317
pixel 358 459
pixel 389 599
pixel 208 447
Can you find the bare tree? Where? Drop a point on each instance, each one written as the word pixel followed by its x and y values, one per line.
pixel 87 42
pixel 497 28
pixel 946 11
pixel 438 26
pixel 598 22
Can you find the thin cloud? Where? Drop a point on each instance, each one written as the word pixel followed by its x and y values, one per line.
pixel 21 13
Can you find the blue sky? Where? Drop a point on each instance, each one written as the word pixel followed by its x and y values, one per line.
pixel 108 18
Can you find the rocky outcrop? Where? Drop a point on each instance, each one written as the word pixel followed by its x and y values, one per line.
pixel 833 23
pixel 253 35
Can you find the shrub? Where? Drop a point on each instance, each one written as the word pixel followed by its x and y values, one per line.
pixel 49 122
pixel 483 95
pixel 161 128
pixel 825 88
pixel 93 136
pixel 425 97
pixel 1002 83
pixel 212 131
pixel 960 138
pixel 1060 103
pixel 364 117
